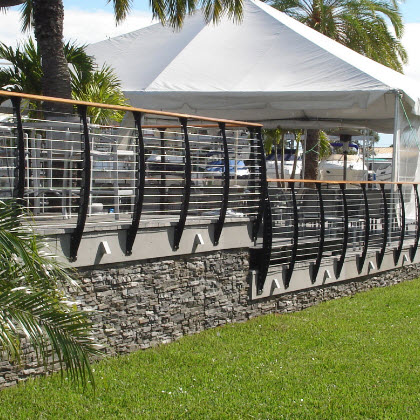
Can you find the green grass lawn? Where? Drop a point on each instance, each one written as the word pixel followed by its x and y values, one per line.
pixel 353 358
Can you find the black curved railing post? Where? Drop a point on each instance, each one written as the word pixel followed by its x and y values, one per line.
pixel 413 249
pixel 226 180
pixel 19 172
pixel 265 256
pixel 317 265
pixel 340 262
pixel 381 253
pixel 290 268
pixel 397 252
pixel 362 258
pixel 263 185
pixel 179 228
pixel 141 177
pixel 77 234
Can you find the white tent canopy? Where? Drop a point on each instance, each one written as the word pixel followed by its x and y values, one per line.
pixel 270 68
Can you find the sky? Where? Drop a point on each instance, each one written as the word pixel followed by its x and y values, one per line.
pixel 88 21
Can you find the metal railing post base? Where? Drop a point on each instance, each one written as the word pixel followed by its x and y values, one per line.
pixel 360 262
pixel 337 268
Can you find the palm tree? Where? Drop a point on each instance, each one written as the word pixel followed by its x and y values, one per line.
pixel 88 84
pixel 47 16
pixel 32 306
pixel 361 25
pixel 311 154
pixel 101 86
pixel 273 138
pixel 25 72
pixel 298 137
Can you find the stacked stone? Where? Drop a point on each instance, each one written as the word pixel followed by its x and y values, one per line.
pixel 143 304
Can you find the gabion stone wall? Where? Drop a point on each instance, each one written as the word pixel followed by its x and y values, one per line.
pixel 142 304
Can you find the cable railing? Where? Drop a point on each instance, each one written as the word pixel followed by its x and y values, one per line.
pixel 168 169
pixel 313 224
pixel 155 166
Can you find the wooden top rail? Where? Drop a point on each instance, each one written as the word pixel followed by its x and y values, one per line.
pixel 319 181
pixel 166 126
pixel 126 108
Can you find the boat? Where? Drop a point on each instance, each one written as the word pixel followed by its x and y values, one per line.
pixel 333 167
pixel 216 167
pixel 289 159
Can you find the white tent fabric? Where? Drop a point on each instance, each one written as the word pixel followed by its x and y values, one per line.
pixel 269 68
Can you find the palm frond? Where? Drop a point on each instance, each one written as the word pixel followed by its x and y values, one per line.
pixel 21 249
pixel 25 71
pixel 26 15
pixel 104 87
pixel 32 301
pixel 324 145
pixel 370 27
pixel 78 57
pixel 121 8
pixel 173 12
pixel 79 60
pixel 25 75
pixel 214 10
pixel 272 137
pixel 55 331
pixel 5 4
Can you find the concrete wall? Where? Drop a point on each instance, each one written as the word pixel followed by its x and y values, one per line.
pixel 154 240
pixel 141 304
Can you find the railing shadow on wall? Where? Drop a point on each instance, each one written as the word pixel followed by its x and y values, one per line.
pixel 157 166
pixel 318 232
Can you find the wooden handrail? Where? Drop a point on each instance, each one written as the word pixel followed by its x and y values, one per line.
pixel 163 126
pixel 319 181
pixel 126 108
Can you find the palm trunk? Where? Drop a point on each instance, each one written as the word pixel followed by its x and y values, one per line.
pixel 48 27
pixel 312 148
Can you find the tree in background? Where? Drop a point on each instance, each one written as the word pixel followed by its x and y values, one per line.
pixel 101 86
pixel 33 307
pixel 25 74
pixel 47 18
pixel 373 28
pixel 273 138
pixel 362 25
pixel 298 139
pixel 324 145
pixel 88 84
